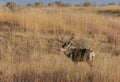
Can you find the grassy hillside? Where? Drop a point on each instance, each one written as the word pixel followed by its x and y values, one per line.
pixel 28 51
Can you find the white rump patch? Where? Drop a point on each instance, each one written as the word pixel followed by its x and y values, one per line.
pixel 92 55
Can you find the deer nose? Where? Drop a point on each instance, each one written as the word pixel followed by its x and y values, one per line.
pixel 62 49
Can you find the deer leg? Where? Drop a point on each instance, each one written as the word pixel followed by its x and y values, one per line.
pixel 75 64
pixel 90 62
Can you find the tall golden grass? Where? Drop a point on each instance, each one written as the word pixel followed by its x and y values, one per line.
pixel 28 56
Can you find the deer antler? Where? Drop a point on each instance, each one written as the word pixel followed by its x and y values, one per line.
pixel 65 44
pixel 59 40
pixel 61 36
pixel 71 37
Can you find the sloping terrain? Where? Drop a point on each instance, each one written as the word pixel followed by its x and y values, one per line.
pixel 28 47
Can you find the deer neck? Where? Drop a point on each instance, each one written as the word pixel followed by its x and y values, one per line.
pixel 65 51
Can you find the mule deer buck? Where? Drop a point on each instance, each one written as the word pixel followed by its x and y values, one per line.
pixel 77 54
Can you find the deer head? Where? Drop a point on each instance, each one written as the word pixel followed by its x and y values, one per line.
pixel 65 45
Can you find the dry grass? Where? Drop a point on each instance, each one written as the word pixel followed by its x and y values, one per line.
pixel 28 52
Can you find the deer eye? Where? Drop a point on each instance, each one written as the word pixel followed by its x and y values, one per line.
pixel 91 50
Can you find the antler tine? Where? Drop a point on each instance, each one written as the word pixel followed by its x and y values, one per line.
pixel 72 36
pixel 60 35
pixel 63 37
pixel 59 41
